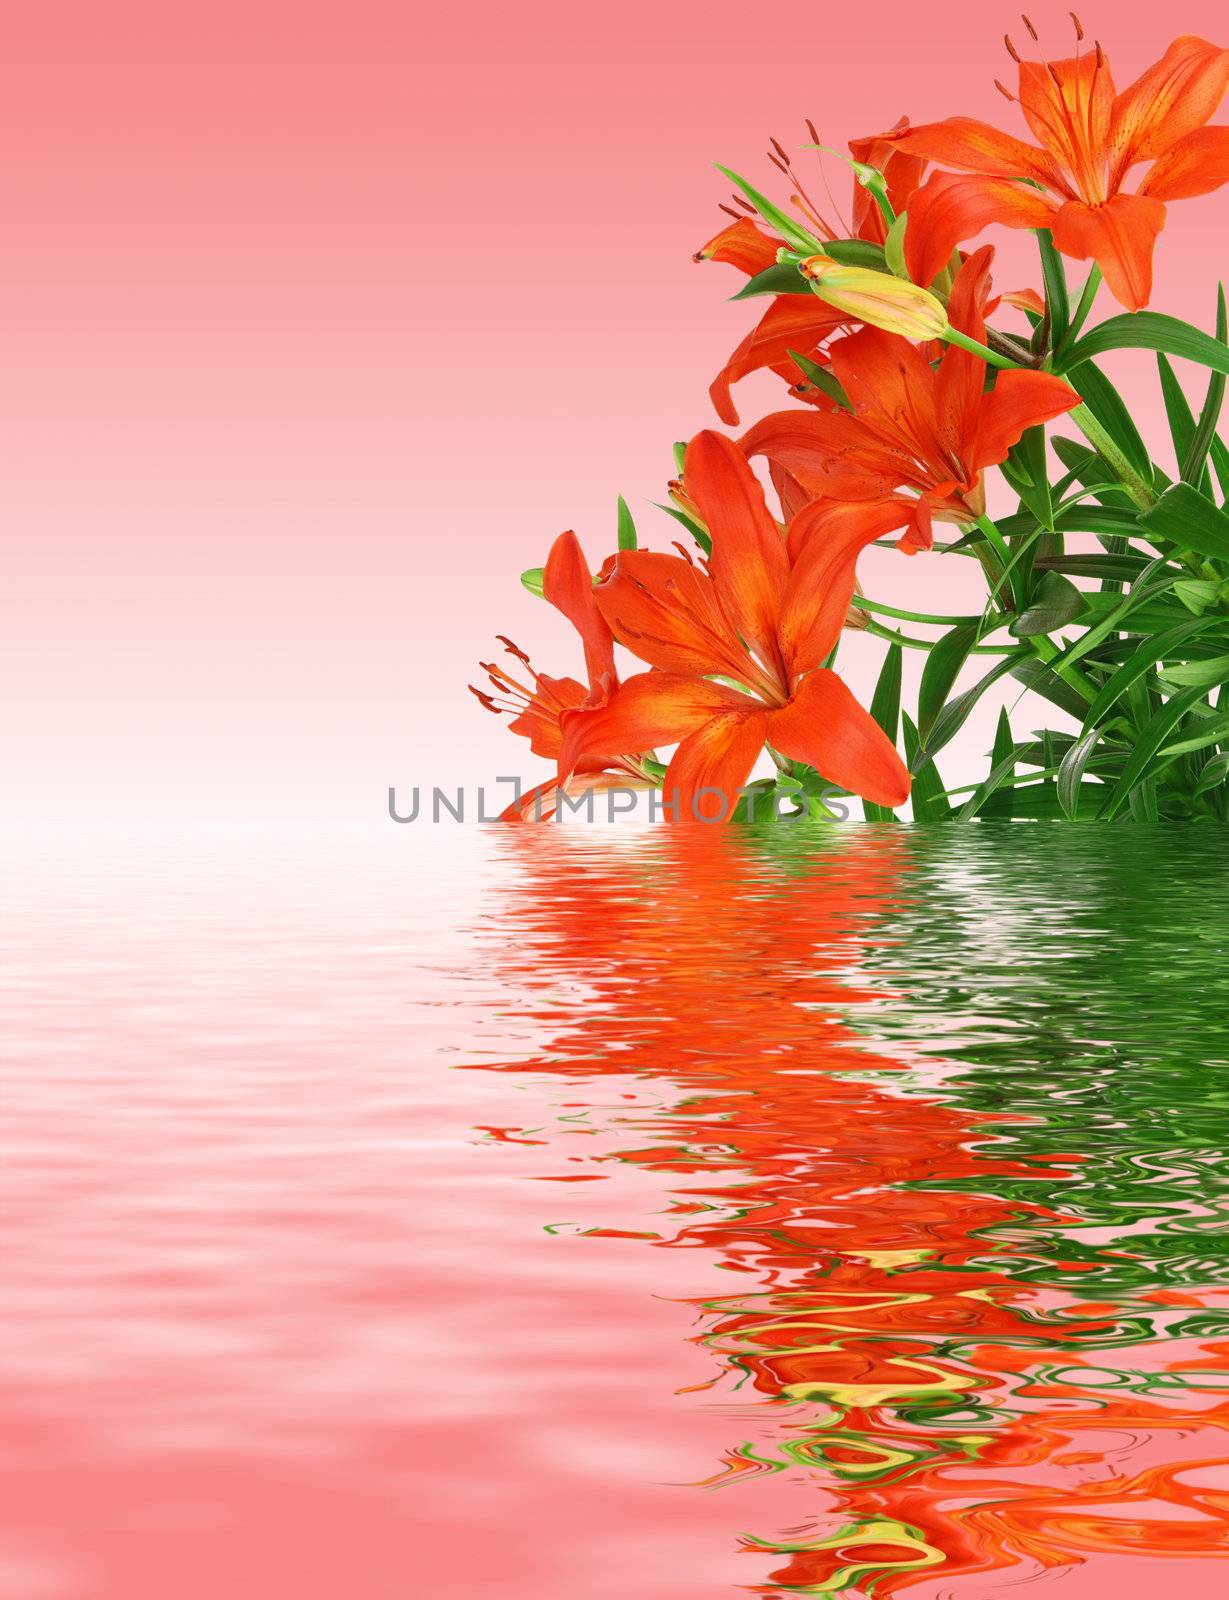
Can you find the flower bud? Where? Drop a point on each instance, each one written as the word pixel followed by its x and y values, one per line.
pixel 877 298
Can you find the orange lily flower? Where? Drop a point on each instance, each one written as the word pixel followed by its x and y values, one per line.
pixel 766 613
pixel 929 429
pixel 539 707
pixel 802 322
pixel 1089 138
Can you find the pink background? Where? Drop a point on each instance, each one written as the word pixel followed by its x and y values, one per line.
pixel 318 323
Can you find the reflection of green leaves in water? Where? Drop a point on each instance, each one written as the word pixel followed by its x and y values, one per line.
pixel 1083 980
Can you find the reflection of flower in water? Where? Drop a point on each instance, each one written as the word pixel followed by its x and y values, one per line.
pixel 959 1416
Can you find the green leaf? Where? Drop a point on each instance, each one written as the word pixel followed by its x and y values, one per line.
pixel 1000 773
pixel 947 656
pixel 885 708
pixel 627 527
pixel 1037 676
pixel 693 528
pixel 1110 410
pixel 1177 408
pixel 1089 470
pixel 1197 594
pixel 1150 330
pixel 1140 762
pixel 781 221
pixel 1056 602
pixel 1093 566
pixel 1145 656
pixel 1025 470
pixel 1004 744
pixel 956 712
pixel 1054 275
pixel 1214 732
pixel 1213 774
pixel 781 278
pixel 1197 674
pixel 1189 520
pixel 1204 438
pixel 821 378
pixel 533 579
pixel 929 796
pixel 1071 771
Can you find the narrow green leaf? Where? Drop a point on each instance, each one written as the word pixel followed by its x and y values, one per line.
pixel 1037 676
pixel 1197 674
pixel 1189 520
pixel 783 223
pixel 1177 408
pixel 782 277
pixel 1056 602
pixel 1071 771
pixel 947 656
pixel 1150 330
pixel 1213 774
pixel 956 712
pixel 1204 438
pixel 1141 660
pixel 885 708
pixel 533 578
pixel 929 796
pixel 693 528
pixel 627 527
pixel 821 378
pixel 1153 736
pixel 1197 594
pixel 1025 470
pixel 1054 275
pixel 1093 566
pixel 1214 732
pixel 999 774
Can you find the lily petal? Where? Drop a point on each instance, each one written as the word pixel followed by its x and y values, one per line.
pixel 792 322
pixel 668 613
pixel 1019 400
pixel 1168 101
pixel 649 709
pixel 742 245
pixel 1195 165
pixel 949 209
pixel 825 726
pixel 748 561
pixel 567 584
pixel 825 541
pixel 1068 105
pixel 711 765
pixel 974 146
pixel 1119 236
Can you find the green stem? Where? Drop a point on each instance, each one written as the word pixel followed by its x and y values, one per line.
pixel 894 637
pixel 1137 487
pixel 991 357
pixel 911 616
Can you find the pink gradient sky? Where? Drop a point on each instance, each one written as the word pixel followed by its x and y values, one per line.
pixel 319 322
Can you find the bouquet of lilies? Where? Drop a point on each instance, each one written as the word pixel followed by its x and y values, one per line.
pixel 903 394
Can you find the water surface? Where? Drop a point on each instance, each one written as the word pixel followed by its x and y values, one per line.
pixel 539 1213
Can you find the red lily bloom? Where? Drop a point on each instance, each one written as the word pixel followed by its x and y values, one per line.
pixel 766 613
pixel 1089 138
pixel 930 429
pixel 540 706
pixel 792 321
